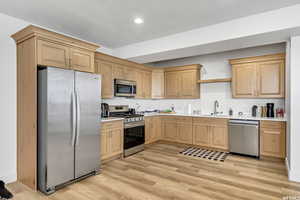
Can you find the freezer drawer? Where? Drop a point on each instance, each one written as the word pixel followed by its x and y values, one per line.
pixel 244 137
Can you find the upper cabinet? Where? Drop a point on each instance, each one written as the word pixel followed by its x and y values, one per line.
pixel 181 82
pixel 52 54
pixel 259 77
pixel 82 60
pixel 105 69
pixel 158 84
pixel 143 81
pixel 62 56
pixel 56 50
pixel 115 68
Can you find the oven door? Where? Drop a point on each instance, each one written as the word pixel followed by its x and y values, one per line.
pixel 134 134
pixel 125 88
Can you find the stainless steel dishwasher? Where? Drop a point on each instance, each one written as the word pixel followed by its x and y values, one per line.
pixel 244 137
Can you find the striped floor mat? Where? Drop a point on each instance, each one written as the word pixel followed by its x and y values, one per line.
pixel 205 153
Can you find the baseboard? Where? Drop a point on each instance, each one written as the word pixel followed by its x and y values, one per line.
pixel 293 175
pixel 9 178
pixel 287 167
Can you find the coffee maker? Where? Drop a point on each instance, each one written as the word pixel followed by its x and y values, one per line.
pixel 270 110
pixel 104 110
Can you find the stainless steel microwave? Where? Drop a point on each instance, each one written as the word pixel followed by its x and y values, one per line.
pixel 124 88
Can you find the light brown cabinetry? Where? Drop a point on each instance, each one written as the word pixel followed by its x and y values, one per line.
pixel 201 134
pixel 170 129
pixel 272 139
pixel 52 54
pixel 158 84
pixel 181 82
pixel 210 132
pixel 172 85
pixel 177 129
pixel 105 69
pixel 111 139
pixel 63 56
pixel 184 130
pixel 152 129
pixel 37 46
pixel 144 84
pixel 270 78
pixel 82 60
pixel 244 80
pixel 258 77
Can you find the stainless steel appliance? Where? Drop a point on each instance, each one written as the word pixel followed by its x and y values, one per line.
pixel 124 88
pixel 134 129
pixel 68 127
pixel 244 137
pixel 104 110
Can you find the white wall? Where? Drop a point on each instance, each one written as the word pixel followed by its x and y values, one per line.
pixel 294 173
pixel 8 96
pixel 288 103
pixel 216 66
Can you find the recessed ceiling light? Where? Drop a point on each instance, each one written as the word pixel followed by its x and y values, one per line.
pixel 138 20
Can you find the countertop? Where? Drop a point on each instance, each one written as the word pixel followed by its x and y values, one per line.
pixel 217 116
pixel 110 119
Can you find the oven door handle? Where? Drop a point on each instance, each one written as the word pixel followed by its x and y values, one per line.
pixel 132 125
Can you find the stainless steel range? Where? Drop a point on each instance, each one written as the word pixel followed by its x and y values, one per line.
pixel 134 129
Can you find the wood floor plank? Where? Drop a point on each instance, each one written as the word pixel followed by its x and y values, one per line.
pixel 161 173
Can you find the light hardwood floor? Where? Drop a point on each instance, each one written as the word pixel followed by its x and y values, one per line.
pixel 160 172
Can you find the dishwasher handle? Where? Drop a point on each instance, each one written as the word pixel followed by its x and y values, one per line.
pixel 244 122
pixel 245 125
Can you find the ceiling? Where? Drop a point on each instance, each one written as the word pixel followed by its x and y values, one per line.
pixel 110 22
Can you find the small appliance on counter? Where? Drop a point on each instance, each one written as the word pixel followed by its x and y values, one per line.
pixel 254 111
pixel 270 110
pixel 105 110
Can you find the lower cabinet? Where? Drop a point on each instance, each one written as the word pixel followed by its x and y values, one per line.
pixel 206 132
pixel 201 134
pixel 152 129
pixel 210 132
pixel 112 134
pixel 177 129
pixel 170 129
pixel 272 139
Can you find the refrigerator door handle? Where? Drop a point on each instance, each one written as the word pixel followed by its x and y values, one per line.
pixel 78 118
pixel 73 118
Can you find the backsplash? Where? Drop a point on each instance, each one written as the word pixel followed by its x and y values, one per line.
pixel 205 104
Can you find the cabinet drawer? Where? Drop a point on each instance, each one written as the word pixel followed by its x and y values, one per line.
pixel 184 119
pixel 110 125
pixel 219 122
pixel 202 120
pixel 272 124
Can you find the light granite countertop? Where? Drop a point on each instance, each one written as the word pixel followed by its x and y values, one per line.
pixel 245 117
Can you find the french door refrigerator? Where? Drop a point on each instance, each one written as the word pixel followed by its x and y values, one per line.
pixel 69 111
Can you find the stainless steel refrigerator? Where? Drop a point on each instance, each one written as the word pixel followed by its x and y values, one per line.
pixel 69 111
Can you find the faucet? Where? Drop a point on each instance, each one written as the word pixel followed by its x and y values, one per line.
pixel 216 105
